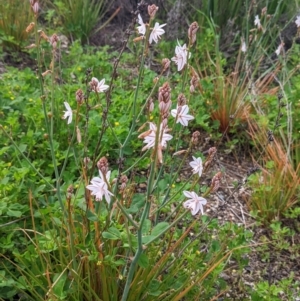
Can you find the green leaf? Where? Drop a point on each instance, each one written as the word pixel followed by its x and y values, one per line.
pixel 91 216
pixel 58 288
pixel 14 213
pixel 147 238
pixel 146 226
pixel 22 148
pixel 112 234
pixel 143 261
pixel 153 289
pixel 159 228
pixel 138 201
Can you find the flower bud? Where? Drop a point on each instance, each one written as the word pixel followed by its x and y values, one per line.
pixel 211 155
pixel 93 84
pixel 152 9
pixel 53 40
pixel 43 35
pixel 165 64
pixel 137 39
pixel 35 8
pixel 86 161
pixel 102 165
pixel 46 73
pixel 30 27
pixel 79 96
pixel 195 137
pixel 192 32
pixel 164 93
pixel 181 100
pixel 215 182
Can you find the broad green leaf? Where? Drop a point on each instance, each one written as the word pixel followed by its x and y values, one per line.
pixel 146 226
pixel 159 228
pixel 112 233
pixel 58 288
pixel 147 238
pixel 143 261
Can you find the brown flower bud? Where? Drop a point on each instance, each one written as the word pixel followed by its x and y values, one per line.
pixel 30 27
pixel 181 100
pixel 137 39
pixel 102 165
pixel 53 40
pixel 93 84
pixel 86 161
pixel 155 79
pixel 165 64
pixel 211 155
pixel 152 9
pixel 46 73
pixel 43 35
pixel 215 182
pixel 79 96
pixel 180 152
pixel 194 83
pixel 164 93
pixel 70 189
pixel 123 181
pixel 192 32
pixel 195 137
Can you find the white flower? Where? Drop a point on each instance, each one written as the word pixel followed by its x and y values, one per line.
pixel 279 49
pixel 298 21
pixel 68 114
pixel 157 31
pixel 149 137
pixel 244 47
pixel 142 28
pixel 197 166
pixel 257 21
pixel 101 87
pixel 195 202
pixel 97 86
pixel 99 187
pixel 181 115
pixel 180 57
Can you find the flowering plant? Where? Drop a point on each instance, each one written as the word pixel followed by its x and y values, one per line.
pixel 103 228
